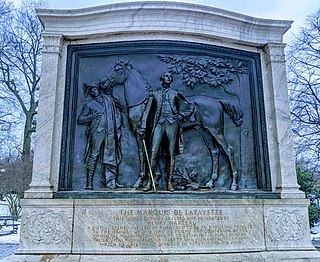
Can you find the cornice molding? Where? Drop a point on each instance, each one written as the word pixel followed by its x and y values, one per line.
pixel 162 17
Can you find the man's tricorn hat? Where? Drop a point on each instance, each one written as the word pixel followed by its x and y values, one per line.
pixel 88 86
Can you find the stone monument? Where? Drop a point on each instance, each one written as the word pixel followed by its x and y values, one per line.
pixel 163 135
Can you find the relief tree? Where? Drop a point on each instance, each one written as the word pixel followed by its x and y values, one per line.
pixel 211 71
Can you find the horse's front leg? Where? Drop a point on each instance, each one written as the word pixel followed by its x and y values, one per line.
pixel 138 121
pixel 141 177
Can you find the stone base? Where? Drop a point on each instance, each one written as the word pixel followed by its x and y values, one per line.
pixel 196 229
pixel 287 256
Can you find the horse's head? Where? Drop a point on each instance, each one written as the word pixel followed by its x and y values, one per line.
pixel 116 75
pixel 136 87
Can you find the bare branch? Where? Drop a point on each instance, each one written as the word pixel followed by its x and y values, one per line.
pixel 20 57
pixel 303 59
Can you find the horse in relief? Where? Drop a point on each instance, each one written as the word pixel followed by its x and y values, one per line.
pixel 208 116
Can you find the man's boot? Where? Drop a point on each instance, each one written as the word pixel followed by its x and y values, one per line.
pixel 138 183
pixel 111 184
pixel 119 185
pixel 110 177
pixel 169 186
pixel 149 182
pixel 89 185
pixel 90 171
pixel 147 187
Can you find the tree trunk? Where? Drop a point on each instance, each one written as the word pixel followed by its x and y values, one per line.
pixel 26 149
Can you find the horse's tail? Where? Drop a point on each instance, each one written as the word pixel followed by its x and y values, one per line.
pixel 233 111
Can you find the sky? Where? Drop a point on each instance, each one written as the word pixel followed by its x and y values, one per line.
pixel 296 10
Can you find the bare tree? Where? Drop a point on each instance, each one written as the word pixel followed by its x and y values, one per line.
pixel 15 177
pixel 303 57
pixel 20 57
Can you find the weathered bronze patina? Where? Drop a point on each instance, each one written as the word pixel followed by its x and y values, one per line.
pixel 103 134
pixel 197 108
pixel 171 108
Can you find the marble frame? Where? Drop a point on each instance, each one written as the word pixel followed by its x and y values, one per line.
pixel 183 22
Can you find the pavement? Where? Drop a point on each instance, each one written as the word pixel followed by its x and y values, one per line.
pixel 7 250
pixel 316 244
pixel 315 236
pixel 8 243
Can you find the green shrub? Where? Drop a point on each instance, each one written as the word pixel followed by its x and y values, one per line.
pixel 314 214
pixel 310 185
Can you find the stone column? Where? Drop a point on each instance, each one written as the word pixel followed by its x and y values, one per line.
pixel 286 180
pixel 41 186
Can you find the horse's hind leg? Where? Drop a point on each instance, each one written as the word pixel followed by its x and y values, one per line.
pixel 234 184
pixel 214 154
pixel 229 151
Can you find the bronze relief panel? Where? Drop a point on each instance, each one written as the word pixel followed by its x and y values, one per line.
pixel 163 116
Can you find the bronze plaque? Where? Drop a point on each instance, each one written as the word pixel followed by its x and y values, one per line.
pixel 156 116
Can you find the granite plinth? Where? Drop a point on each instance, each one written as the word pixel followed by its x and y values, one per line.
pixel 163 226
pixel 288 256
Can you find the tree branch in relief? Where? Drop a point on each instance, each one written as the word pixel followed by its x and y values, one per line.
pixel 205 70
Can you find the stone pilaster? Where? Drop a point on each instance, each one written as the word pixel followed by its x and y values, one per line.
pixel 286 179
pixel 41 186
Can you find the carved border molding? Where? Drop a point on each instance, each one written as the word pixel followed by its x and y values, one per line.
pixel 157 17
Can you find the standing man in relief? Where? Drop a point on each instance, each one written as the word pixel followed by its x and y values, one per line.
pixel 103 134
pixel 171 107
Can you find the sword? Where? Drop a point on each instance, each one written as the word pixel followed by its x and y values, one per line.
pixel 149 165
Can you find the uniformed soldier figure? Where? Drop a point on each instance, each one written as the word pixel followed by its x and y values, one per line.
pixel 166 123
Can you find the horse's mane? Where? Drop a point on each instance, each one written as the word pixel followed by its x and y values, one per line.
pixel 137 88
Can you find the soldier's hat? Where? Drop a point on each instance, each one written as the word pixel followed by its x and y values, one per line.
pixel 88 86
